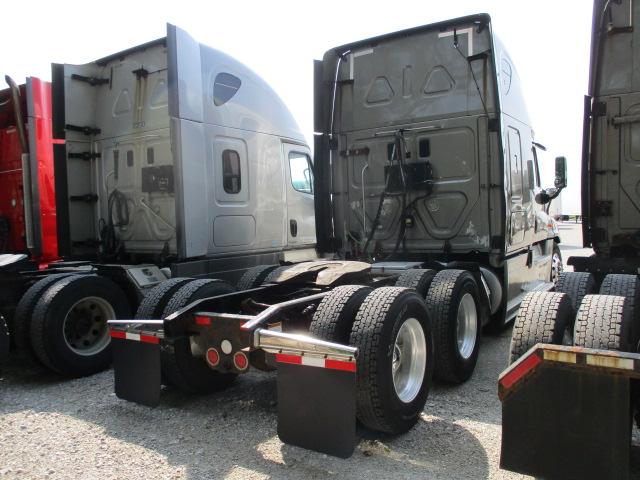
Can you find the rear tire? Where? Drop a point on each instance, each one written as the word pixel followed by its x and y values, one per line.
pixel 387 401
pixel 4 341
pixel 576 285
pixel 627 286
pixel 195 290
pixel 153 304
pixel 273 275
pixel 604 322
pixel 24 311
pixel 417 278
pixel 179 366
pixel 69 332
pixel 254 277
pixel 334 318
pixel 453 298
pixel 543 317
pixel 557 266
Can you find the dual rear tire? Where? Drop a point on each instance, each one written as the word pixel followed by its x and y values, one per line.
pixel 453 301
pixel 4 341
pixel 181 366
pixel 606 321
pixel 68 330
pixel 392 330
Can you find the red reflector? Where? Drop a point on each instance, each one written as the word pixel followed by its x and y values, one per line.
pixel 284 358
pixel 149 339
pixel 240 360
pixel 213 357
pixel 117 334
pixel 339 365
pixel 203 321
pixel 520 371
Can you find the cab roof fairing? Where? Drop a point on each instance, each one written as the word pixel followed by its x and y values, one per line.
pixel 193 68
pixel 255 106
pixel 511 100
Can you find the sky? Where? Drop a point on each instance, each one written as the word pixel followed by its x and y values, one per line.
pixel 548 40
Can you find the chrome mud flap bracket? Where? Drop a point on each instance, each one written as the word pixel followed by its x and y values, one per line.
pixel 316 392
pixel 136 364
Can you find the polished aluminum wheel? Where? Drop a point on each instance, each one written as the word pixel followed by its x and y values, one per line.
pixel 467 331
pixel 85 325
pixel 556 267
pixel 409 360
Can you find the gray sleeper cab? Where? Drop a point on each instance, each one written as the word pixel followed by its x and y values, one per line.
pixel 190 153
pixel 445 101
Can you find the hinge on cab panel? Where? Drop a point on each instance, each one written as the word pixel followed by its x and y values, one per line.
pixel 87 197
pixel 598 109
pixel 84 155
pixel 93 81
pixel 602 208
pixel 85 130
pixel 493 125
pixel 354 152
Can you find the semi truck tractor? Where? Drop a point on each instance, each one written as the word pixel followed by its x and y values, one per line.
pixel 161 164
pixel 570 396
pixel 431 224
pixel 27 189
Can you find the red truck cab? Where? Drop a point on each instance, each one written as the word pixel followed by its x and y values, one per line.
pixel 27 196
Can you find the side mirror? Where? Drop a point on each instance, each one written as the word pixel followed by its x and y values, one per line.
pixel 561 173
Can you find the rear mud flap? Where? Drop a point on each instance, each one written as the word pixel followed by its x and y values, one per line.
pixel 136 366
pixel 317 405
pixel 566 413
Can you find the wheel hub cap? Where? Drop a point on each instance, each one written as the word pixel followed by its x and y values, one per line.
pixel 556 268
pixel 85 325
pixel 409 360
pixel 467 328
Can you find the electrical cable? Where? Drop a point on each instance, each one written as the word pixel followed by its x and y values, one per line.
pixel 110 242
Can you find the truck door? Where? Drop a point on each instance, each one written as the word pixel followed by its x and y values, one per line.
pixel 301 227
pixel 517 216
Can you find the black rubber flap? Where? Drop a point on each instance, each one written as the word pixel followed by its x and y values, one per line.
pixel 136 366
pixel 568 424
pixel 317 408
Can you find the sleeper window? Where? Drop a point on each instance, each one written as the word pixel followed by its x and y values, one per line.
pixel 515 163
pixel 225 86
pixel 301 172
pixel 231 175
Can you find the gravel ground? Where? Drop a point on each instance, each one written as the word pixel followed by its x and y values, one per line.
pixel 53 428
pixel 56 428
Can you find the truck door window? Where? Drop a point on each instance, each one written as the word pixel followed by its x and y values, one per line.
pixel 301 172
pixel 231 175
pixel 515 163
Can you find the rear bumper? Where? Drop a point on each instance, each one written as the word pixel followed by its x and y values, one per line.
pixel 316 379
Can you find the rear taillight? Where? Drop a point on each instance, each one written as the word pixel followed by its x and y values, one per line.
pixel 213 357
pixel 240 360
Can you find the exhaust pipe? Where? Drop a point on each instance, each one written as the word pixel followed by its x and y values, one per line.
pixel 15 98
pixel 26 166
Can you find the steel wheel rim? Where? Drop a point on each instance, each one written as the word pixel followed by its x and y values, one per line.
pixel 556 267
pixel 467 328
pixel 409 360
pixel 85 328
